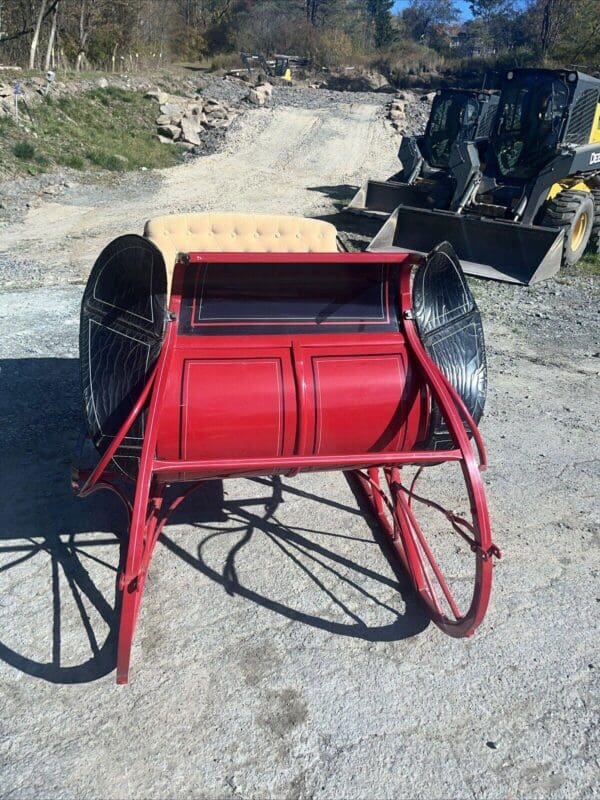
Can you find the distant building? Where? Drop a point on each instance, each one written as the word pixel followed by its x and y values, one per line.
pixel 467 43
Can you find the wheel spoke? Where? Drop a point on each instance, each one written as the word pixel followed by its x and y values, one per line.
pixel 430 557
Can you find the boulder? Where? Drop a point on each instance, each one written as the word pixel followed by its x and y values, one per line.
pixel 213 123
pixel 163 119
pixel 172 131
pixel 159 95
pixel 173 110
pixel 216 113
pixel 190 129
pixel 102 83
pixel 164 139
pixel 260 94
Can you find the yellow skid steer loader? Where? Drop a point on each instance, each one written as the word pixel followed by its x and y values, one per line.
pixel 536 203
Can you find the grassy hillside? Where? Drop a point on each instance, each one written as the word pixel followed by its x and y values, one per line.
pixel 109 128
pixel 589 264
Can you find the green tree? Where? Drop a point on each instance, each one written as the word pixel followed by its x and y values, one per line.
pixel 380 12
pixel 423 16
pixel 486 9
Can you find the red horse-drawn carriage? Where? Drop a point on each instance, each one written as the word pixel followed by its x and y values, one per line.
pixel 221 346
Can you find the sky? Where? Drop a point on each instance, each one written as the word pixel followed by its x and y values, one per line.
pixel 463 5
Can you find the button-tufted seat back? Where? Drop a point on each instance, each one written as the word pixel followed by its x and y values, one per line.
pixel 238 233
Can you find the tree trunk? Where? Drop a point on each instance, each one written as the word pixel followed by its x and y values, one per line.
pixel 36 35
pixel 546 27
pixel 50 48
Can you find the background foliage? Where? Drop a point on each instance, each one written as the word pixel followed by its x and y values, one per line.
pixel 425 37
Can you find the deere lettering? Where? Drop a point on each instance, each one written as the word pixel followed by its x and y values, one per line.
pixel 595 158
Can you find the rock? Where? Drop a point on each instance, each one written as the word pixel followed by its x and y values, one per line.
pixel 214 124
pixel 164 139
pixel 395 113
pixel 102 83
pixel 260 94
pixel 163 119
pixel 427 98
pixel 255 98
pixel 159 95
pixel 173 110
pixel 217 113
pixel 189 129
pixel 172 131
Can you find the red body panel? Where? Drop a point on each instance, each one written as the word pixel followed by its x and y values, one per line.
pixel 261 399
pixel 272 395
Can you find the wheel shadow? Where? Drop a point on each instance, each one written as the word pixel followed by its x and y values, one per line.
pixel 45 542
pixel 309 551
pixel 60 556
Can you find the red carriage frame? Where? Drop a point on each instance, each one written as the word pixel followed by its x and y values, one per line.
pixel 379 474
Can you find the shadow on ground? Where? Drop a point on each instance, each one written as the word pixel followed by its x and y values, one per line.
pixel 355 231
pixel 51 539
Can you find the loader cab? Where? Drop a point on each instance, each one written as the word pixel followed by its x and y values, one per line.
pixel 530 122
pixel 539 111
pixel 456 115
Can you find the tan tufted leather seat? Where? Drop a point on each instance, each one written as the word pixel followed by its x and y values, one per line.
pixel 238 233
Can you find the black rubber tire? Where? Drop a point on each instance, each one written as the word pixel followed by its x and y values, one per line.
pixel 594 242
pixel 564 212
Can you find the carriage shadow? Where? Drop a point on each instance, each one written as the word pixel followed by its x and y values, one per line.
pixel 60 556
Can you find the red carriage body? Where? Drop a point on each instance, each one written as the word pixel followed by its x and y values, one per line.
pixel 263 364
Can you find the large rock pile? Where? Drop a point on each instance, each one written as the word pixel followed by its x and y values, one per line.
pixel 397 112
pixel 409 112
pixel 187 119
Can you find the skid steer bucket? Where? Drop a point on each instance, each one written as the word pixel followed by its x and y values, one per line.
pixel 502 251
pixel 380 198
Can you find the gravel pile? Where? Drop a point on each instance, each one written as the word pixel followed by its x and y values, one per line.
pixel 301 97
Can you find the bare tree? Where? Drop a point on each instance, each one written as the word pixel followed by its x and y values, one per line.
pixel 51 37
pixel 36 34
pixel 554 15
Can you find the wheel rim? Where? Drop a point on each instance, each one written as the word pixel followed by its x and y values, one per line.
pixel 455 590
pixel 579 231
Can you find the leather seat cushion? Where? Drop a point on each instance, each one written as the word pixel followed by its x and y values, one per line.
pixel 237 233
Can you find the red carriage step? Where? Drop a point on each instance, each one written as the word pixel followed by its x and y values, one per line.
pixel 199 364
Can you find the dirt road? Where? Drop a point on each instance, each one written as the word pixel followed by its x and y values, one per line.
pixel 277 655
pixel 281 161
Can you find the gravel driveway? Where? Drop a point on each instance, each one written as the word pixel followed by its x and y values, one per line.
pixel 277 654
